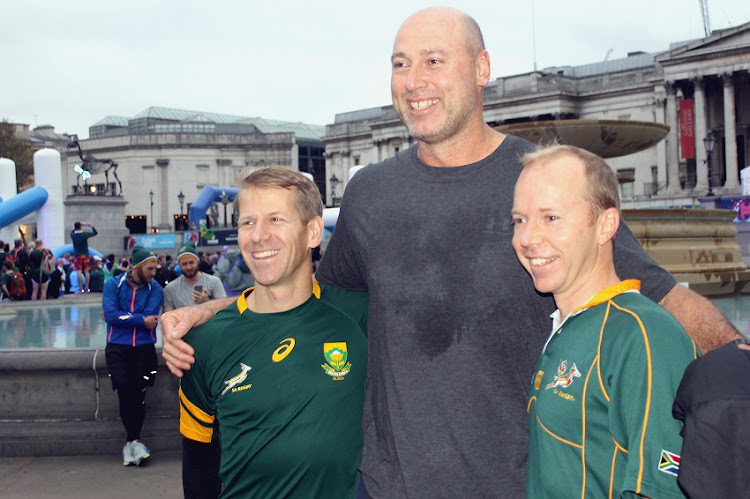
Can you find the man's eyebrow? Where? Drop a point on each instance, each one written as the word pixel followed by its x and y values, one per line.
pixel 423 52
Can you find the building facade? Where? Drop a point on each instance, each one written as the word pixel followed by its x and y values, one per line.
pixel 159 160
pixel 698 88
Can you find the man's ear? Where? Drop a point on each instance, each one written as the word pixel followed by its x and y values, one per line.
pixel 315 232
pixel 483 68
pixel 609 222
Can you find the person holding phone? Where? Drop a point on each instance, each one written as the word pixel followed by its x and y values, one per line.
pixel 193 286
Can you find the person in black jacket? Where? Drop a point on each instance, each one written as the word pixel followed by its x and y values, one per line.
pixel 713 402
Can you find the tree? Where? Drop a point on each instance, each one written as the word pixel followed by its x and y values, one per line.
pixel 20 152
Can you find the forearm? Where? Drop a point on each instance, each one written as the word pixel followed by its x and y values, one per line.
pixel 175 324
pixel 705 324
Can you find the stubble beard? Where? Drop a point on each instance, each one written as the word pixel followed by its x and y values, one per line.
pixel 451 126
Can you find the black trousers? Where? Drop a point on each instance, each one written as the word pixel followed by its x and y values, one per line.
pixel 132 370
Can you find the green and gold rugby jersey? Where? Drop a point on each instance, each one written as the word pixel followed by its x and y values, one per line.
pixel 287 390
pixel 600 403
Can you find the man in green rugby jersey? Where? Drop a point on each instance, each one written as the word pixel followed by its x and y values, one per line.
pixel 600 422
pixel 283 366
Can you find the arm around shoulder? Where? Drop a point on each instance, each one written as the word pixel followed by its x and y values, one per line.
pixel 702 321
pixel 175 324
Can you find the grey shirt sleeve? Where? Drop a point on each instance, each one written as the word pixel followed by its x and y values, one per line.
pixel 342 265
pixel 215 287
pixel 169 295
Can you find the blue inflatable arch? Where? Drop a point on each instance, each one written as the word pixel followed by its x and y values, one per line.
pixel 208 195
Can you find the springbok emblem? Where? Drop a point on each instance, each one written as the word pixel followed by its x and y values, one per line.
pixel 236 380
pixel 563 379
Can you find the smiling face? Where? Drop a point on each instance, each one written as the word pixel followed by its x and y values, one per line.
pixel 273 239
pixel 438 72
pixel 565 249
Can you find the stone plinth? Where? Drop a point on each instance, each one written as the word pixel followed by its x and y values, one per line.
pixel 106 213
pixel 60 402
pixel 699 247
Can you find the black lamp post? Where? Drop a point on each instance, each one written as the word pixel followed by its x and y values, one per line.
pixel 182 224
pixel 151 195
pixel 334 183
pixel 225 202
pixel 709 142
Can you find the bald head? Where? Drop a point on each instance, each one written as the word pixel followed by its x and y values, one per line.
pixel 444 18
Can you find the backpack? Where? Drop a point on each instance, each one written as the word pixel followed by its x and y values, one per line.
pixel 17 287
pixel 48 262
pixel 22 260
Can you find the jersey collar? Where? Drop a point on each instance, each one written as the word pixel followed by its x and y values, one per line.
pixel 611 292
pixel 242 300
pixel 628 285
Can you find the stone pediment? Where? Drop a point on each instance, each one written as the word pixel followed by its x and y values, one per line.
pixel 722 43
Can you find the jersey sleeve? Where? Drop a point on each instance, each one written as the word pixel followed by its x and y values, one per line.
pixel 632 262
pixel 352 303
pixel 642 362
pixel 197 408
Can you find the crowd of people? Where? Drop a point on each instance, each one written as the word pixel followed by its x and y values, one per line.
pixel 67 278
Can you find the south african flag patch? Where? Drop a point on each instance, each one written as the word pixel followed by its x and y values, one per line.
pixel 669 463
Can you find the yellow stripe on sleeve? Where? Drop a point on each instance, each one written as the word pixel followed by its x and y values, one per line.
pixel 195 423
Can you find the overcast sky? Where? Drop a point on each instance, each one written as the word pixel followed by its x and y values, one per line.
pixel 71 63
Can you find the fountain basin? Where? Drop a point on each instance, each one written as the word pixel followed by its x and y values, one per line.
pixel 698 246
pixel 607 138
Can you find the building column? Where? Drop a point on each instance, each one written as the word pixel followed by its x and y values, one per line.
pixel 730 134
pixel 224 167
pixel 162 192
pixel 673 161
pixel 661 152
pixel 701 167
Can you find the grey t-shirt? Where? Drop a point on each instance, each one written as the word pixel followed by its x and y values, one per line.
pixel 455 325
pixel 179 293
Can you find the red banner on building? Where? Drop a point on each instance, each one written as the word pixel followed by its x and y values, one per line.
pixel 687 129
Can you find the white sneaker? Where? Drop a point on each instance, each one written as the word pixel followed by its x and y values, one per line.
pixel 127 454
pixel 140 452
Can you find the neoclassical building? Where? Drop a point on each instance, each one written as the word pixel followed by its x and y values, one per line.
pixel 699 88
pixel 161 153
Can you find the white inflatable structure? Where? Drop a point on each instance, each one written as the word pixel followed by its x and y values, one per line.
pixel 8 190
pixel 46 198
pixel 50 221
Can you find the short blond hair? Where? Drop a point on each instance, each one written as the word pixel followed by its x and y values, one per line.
pixel 602 187
pixel 307 198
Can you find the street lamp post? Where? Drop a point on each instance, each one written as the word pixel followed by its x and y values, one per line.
pixel 334 183
pixel 225 202
pixel 709 142
pixel 181 199
pixel 151 195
